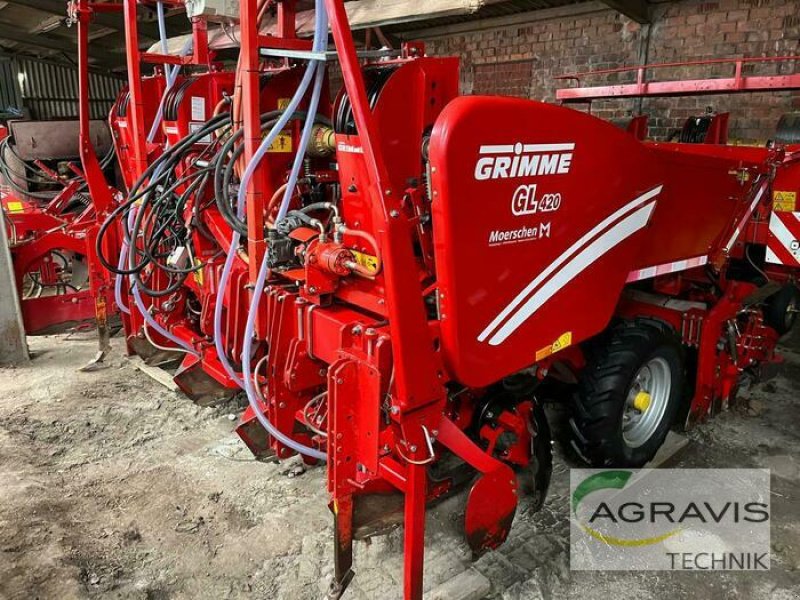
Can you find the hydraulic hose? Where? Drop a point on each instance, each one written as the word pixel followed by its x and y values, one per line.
pixel 289 113
pixel 172 73
pixel 137 297
pixel 314 68
pixel 120 270
pixel 123 256
pixel 156 171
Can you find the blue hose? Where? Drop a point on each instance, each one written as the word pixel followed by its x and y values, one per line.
pixel 317 68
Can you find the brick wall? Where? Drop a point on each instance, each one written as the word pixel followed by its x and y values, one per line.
pixel 523 59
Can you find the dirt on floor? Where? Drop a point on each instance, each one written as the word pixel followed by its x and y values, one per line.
pixel 113 487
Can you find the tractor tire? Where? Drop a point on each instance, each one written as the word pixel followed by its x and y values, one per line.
pixel 780 309
pixel 628 394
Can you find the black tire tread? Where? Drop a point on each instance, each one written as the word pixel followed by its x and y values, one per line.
pixel 608 363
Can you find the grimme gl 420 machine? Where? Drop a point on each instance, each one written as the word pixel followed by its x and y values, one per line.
pixel 389 277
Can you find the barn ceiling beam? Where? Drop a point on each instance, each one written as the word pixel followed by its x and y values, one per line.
pixel 20 36
pixel 112 21
pixel 636 10
pixel 61 60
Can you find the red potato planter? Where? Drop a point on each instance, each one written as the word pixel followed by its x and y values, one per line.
pixel 391 275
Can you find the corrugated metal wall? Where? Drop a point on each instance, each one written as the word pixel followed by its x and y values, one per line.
pixel 9 90
pixel 48 91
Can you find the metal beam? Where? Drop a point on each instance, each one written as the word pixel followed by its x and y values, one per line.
pixel 636 10
pixel 524 18
pixel 60 60
pixel 112 21
pixel 52 43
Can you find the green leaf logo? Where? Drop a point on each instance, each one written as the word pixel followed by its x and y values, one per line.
pixel 606 480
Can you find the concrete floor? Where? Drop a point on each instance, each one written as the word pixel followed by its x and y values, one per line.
pixel 113 487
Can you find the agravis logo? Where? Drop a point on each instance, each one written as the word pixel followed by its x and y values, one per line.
pixel 670 519
pixel 609 480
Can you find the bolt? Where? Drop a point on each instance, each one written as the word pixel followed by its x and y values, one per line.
pixel 394 214
pixel 322 372
pixel 312 290
pixel 356 330
pixel 395 410
pixel 282 405
pixel 433 170
pixel 338 436
pixel 340 381
pixel 388 192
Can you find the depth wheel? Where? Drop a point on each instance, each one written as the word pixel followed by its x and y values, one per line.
pixel 515 430
pixel 535 478
pixel 628 395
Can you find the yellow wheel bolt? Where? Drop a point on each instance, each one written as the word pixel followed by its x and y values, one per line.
pixel 642 401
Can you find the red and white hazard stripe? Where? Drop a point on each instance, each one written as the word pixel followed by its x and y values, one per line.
pixel 783 242
pixel 667 268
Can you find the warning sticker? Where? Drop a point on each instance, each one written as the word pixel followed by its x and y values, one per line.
pixel 562 342
pixel 198 108
pixel 784 201
pixel 366 261
pixel 198 274
pixel 195 127
pixel 15 207
pixel 282 143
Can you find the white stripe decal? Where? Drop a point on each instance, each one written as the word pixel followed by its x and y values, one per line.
pixel 510 148
pixel 781 232
pixel 497 150
pixel 563 258
pixel 549 147
pixel 746 217
pixel 772 258
pixel 587 257
pixel 666 269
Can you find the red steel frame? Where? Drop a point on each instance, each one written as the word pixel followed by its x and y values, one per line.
pixel 102 197
pixel 646 87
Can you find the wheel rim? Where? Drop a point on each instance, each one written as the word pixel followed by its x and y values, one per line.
pixel 646 402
